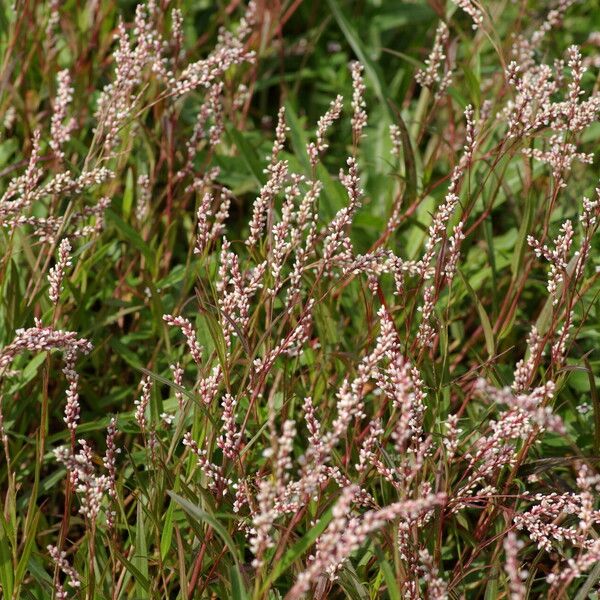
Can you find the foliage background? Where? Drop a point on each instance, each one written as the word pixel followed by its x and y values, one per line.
pixel 139 269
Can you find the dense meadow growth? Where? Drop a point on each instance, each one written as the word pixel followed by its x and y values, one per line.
pixel 299 299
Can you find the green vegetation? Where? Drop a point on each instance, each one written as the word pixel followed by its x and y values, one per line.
pixel 254 347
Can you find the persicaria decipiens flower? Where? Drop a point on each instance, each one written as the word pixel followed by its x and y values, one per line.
pixel 454 243
pixel 142 403
pixel 142 206
pixel 189 333
pixel 396 138
pixel 42 339
pixel 451 439
pixel 229 440
pixel 72 407
pixel 110 464
pixel 202 230
pixel 426 333
pixel 524 369
pixel 208 387
pixel 359 118
pixel 216 481
pixel 515 574
pixel 177 371
pixel 469 146
pixel 278 174
pixel 346 533
pixel 316 148
pixel 60 132
pixel 88 484
pixel 279 143
pixel 550 526
pixel 429 76
pixel 60 560
pixel 436 587
pixel 558 257
pixel 57 273
pixel 472 10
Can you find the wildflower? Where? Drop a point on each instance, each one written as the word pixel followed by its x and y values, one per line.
pixel 178 380
pixel 525 368
pixel 366 453
pixel 425 335
pixel 359 118
pixel 142 403
pixel 429 76
pixel 451 439
pixel 216 481
pixel 72 407
pixel 263 203
pixel 202 235
pixel 56 274
pixel 558 258
pixel 167 418
pixel 42 339
pixel 60 132
pixel 60 560
pixel 189 333
pixel 208 387
pixel 515 575
pixel 454 243
pixel 320 145
pixel 218 226
pixel 87 482
pixel 436 586
pixel 345 534
pixel 470 7
pixel 228 442
pixel 396 138
pixel 142 207
pixel 110 464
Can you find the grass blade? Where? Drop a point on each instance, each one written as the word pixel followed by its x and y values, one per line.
pixel 202 516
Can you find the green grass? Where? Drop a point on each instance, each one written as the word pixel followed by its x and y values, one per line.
pixel 175 536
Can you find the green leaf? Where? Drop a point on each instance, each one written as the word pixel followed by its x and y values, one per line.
pixel 488 331
pixel 491 589
pixel 200 515
pixel 141 580
pixel 595 397
pixel 410 164
pixel 30 538
pixel 473 84
pixel 356 44
pixel 140 557
pixel 125 353
pixel 248 154
pixel 298 549
pixel 590 582
pixel 388 575
pixel 167 531
pixel 130 235
pixel 238 590
pixel 350 583
pixel 521 243
pixel 128 194
pixel 7 578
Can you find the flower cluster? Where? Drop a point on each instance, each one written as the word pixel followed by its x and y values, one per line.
pixel 91 486
pixel 56 273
